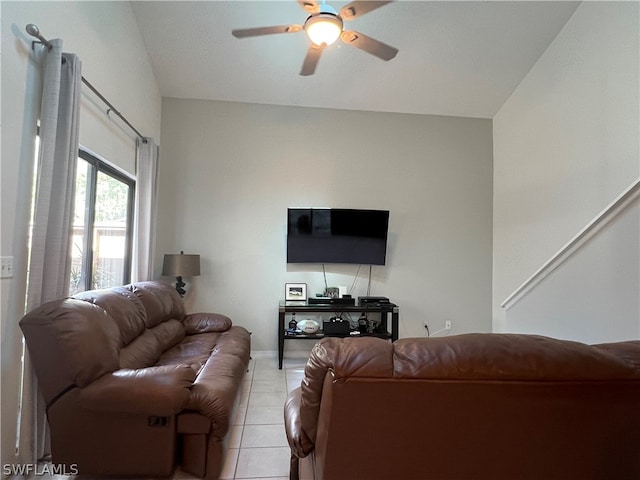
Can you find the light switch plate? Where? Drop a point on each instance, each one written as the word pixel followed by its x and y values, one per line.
pixel 6 267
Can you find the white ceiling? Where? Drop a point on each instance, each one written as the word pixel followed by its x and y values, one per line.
pixel 456 58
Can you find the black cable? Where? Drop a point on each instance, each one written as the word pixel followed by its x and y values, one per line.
pixel 326 287
pixel 355 279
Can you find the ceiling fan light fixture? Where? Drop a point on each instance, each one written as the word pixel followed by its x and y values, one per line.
pixel 323 28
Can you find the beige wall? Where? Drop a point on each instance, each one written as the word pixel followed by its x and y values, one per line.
pixel 228 172
pixel 566 144
pixel 114 60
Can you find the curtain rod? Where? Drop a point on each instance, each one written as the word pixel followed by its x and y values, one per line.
pixel 112 108
pixel 34 31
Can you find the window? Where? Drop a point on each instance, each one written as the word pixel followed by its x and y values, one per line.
pixel 102 226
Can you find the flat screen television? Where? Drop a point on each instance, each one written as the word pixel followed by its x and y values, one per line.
pixel 337 235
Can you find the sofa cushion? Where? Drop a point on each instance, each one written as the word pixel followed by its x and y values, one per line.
pixel 123 306
pixel 148 347
pixel 206 322
pixel 168 334
pixel 160 300
pixel 193 350
pixel 142 352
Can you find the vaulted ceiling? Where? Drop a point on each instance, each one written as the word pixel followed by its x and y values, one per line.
pixel 455 57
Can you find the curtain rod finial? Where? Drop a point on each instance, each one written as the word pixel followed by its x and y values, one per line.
pixel 32 30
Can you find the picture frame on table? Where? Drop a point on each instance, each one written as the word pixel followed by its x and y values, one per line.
pixel 295 292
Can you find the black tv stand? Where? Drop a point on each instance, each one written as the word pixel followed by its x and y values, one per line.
pixel 384 309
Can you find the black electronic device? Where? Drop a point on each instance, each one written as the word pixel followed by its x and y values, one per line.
pixel 337 327
pixel 337 235
pixel 366 300
pixel 331 301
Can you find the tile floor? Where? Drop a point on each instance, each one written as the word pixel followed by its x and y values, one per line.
pixel 258 447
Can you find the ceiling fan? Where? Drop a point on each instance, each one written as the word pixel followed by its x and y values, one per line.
pixel 324 26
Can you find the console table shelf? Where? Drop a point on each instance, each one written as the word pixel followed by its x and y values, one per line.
pixel 384 309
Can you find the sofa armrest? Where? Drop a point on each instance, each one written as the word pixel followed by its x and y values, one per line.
pixel 298 440
pixel 195 323
pixel 160 390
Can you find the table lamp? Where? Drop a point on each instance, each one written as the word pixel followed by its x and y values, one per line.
pixel 181 265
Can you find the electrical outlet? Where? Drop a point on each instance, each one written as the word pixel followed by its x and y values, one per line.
pixel 447 324
pixel 6 267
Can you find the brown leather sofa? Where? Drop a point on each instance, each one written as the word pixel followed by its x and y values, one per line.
pixel 133 385
pixel 467 407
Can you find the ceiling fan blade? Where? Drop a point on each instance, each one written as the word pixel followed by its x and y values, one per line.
pixel 358 8
pixel 369 45
pixel 310 6
pixel 255 32
pixel 311 60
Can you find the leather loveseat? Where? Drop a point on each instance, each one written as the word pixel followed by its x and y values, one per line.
pixel 134 385
pixel 466 407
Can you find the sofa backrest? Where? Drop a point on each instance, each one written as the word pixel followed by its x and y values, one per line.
pixel 506 357
pixel 74 341
pixel 122 307
pixel 481 406
pixel 161 302
pixel 163 324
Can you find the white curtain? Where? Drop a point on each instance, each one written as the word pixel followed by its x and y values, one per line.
pixel 146 210
pixel 50 261
pixel 50 264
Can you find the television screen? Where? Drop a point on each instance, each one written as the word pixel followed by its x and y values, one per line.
pixel 336 235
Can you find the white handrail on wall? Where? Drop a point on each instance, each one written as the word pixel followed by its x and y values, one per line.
pixel 623 200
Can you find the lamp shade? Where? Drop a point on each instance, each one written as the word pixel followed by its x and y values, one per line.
pixel 181 265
